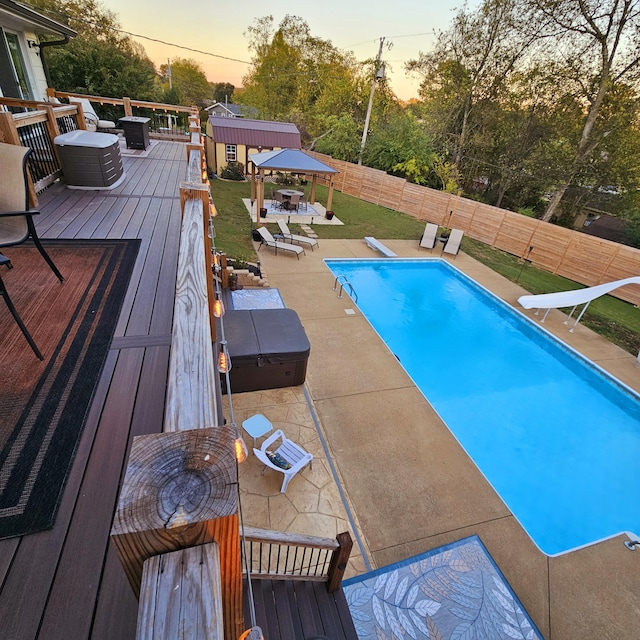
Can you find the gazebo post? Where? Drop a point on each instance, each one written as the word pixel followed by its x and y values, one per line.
pixel 260 202
pixel 312 197
pixel 330 196
pixel 253 182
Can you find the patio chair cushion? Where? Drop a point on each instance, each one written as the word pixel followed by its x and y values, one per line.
pixel 278 460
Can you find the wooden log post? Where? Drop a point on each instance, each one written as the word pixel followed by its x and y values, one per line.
pixel 180 491
pixel 339 560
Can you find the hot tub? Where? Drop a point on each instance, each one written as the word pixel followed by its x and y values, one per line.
pixel 269 349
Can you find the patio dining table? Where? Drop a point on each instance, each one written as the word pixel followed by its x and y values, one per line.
pixel 287 195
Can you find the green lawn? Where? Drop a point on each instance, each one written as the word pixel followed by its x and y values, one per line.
pixel 616 320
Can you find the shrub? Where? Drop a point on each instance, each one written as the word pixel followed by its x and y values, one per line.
pixel 233 171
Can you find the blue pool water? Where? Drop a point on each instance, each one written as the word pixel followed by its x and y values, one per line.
pixel 556 438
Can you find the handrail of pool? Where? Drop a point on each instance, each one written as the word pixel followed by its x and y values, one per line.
pixel 353 294
pixel 339 278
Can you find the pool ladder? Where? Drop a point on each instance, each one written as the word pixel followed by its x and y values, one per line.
pixel 342 280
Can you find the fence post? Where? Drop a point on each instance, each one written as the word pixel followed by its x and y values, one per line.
pixel 126 102
pixel 339 560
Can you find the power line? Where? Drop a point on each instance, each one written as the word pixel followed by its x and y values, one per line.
pixel 137 35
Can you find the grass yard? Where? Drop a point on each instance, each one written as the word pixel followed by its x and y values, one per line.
pixel 615 319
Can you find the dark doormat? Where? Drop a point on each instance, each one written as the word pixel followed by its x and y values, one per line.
pixel 43 405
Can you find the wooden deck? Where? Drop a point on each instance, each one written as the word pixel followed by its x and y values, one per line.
pixel 67 583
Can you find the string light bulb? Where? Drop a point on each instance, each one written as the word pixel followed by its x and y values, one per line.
pixel 218 307
pixel 240 449
pixel 224 361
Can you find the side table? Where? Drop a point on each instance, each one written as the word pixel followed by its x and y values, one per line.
pixel 257 426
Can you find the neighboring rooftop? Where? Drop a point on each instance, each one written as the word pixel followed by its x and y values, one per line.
pixel 228 110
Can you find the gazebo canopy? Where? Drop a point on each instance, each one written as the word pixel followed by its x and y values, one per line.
pixel 289 160
pixel 293 160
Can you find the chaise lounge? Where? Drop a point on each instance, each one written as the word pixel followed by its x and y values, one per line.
pixel 270 241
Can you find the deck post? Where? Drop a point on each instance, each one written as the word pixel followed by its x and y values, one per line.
pixel 180 491
pixel 339 561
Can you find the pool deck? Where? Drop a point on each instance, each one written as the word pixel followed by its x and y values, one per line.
pixel 407 484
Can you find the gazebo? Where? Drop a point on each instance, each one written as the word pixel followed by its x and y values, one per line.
pixel 293 160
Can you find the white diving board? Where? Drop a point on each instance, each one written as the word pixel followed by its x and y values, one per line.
pixel 378 246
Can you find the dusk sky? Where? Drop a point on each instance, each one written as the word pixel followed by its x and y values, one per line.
pixel 218 28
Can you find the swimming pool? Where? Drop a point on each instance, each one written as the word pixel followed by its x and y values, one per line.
pixel 557 438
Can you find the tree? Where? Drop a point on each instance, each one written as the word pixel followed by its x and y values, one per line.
pixel 472 62
pixel 223 92
pixel 301 78
pixel 188 80
pixel 341 140
pixel 600 42
pixel 100 60
pixel 402 147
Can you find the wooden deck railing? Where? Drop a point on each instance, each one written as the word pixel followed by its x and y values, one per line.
pixel 273 554
pixel 38 123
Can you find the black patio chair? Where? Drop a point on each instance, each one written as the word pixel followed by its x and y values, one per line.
pixel 16 222
pixel 4 261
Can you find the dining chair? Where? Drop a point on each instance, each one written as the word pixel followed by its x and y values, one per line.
pixel 4 261
pixel 16 218
pixel 294 201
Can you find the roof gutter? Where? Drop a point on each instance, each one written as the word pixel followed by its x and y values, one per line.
pixel 45 66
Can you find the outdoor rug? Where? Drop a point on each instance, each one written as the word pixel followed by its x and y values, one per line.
pixel 454 592
pixel 43 405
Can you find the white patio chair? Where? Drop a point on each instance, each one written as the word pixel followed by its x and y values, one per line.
pixel 270 241
pixel 452 245
pixel 292 237
pixel 91 117
pixel 430 236
pixel 288 453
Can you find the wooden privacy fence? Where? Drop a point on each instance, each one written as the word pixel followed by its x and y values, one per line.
pixel 574 255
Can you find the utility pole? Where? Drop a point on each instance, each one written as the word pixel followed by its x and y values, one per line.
pixel 169 72
pixel 378 76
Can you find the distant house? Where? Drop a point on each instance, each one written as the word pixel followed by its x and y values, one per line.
pixel 22 73
pixel 606 226
pixel 231 110
pixel 233 139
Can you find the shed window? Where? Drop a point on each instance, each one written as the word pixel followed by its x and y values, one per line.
pixel 231 153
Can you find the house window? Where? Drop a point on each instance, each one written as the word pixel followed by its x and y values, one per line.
pixel 14 78
pixel 232 152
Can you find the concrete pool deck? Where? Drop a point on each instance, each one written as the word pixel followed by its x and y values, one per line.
pixel 407 484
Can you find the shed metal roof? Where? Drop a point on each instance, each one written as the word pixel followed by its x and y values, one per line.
pixel 255 133
pixel 290 160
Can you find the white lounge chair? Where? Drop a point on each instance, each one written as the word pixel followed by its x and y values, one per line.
pixel 292 237
pixel 91 117
pixel 287 454
pixel 452 245
pixel 429 237
pixel 270 241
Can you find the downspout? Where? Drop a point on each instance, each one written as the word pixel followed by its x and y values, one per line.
pixel 45 66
